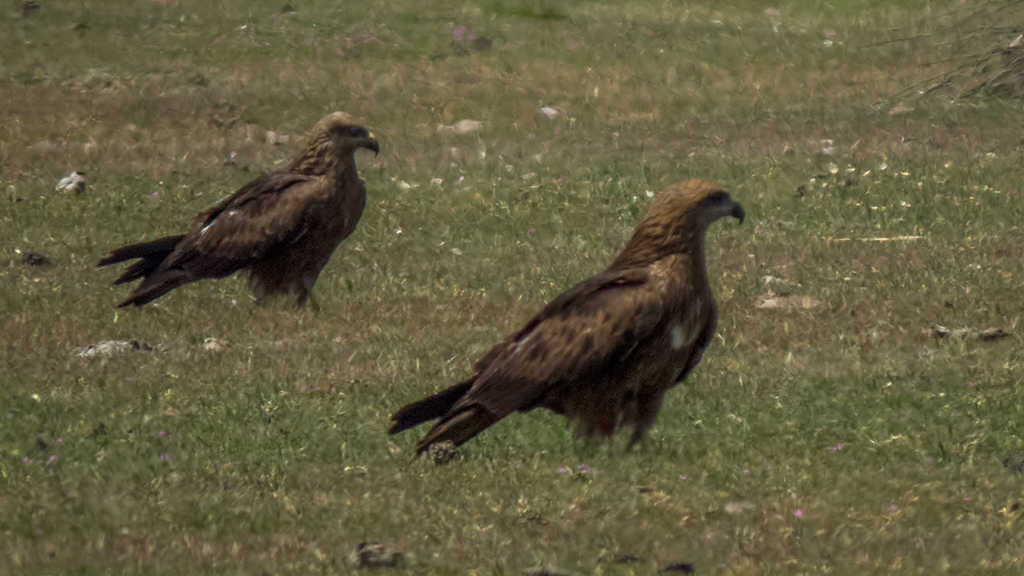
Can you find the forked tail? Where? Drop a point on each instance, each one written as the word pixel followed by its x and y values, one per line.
pixel 429 408
pixel 458 428
pixel 156 286
pixel 152 254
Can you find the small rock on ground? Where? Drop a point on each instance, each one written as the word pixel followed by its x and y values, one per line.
pixel 109 348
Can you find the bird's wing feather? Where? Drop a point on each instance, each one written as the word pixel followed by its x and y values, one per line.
pixel 578 335
pixel 271 211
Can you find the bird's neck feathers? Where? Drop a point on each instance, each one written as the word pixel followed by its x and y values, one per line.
pixel 321 158
pixel 656 239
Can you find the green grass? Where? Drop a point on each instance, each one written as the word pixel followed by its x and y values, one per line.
pixel 271 457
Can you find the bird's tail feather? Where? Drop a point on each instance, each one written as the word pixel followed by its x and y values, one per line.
pixel 429 408
pixel 162 246
pixel 458 428
pixel 156 286
pixel 140 269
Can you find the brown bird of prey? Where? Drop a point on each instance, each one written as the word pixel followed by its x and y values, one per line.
pixel 603 353
pixel 281 228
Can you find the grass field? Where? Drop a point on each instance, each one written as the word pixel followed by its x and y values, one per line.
pixel 829 428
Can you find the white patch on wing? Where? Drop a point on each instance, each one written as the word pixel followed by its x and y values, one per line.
pixel 207 227
pixel 519 345
pixel 677 336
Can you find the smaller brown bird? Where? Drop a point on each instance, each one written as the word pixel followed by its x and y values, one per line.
pixel 603 353
pixel 281 228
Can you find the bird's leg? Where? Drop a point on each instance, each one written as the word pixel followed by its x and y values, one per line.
pixel 639 438
pixel 590 446
pixel 314 304
pixel 305 292
pixel 647 408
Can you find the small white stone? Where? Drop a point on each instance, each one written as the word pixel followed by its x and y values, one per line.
pixel 549 111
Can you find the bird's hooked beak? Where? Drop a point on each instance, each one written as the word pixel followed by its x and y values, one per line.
pixel 371 143
pixel 738 212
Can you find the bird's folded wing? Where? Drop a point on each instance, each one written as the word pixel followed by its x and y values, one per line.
pixel 271 211
pixel 579 335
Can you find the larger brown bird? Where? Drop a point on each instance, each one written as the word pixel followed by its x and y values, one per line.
pixel 281 228
pixel 604 353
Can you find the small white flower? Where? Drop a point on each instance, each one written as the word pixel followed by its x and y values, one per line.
pixel 398 230
pixel 549 111
pixel 456 251
pixel 437 181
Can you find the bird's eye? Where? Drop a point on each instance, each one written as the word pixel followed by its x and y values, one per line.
pixel 718 197
pixel 357 132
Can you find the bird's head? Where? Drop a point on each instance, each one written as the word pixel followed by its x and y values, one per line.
pixel 689 207
pixel 677 220
pixel 695 203
pixel 332 142
pixel 344 133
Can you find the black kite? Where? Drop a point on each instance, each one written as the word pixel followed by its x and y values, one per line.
pixel 281 228
pixel 603 353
